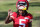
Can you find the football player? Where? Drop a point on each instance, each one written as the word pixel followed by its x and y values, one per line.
pixel 21 18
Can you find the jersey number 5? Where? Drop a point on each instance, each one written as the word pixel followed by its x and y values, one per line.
pixel 20 22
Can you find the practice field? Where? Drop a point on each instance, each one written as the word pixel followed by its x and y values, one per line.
pixel 34 9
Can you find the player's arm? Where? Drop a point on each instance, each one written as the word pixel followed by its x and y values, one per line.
pixel 8 19
pixel 30 19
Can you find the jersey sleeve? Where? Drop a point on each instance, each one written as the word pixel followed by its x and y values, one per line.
pixel 13 15
pixel 30 17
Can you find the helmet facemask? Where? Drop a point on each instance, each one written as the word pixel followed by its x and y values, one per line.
pixel 22 5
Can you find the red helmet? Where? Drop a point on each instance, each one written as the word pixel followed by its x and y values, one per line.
pixel 23 1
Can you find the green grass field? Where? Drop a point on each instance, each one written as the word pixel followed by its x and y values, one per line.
pixel 5 5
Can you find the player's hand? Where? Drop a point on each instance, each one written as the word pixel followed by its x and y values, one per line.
pixel 9 12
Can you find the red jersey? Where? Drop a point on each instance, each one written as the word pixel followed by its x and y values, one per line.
pixel 20 21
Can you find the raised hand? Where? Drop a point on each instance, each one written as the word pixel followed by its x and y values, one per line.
pixel 9 12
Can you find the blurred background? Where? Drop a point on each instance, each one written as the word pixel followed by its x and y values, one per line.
pixel 34 9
